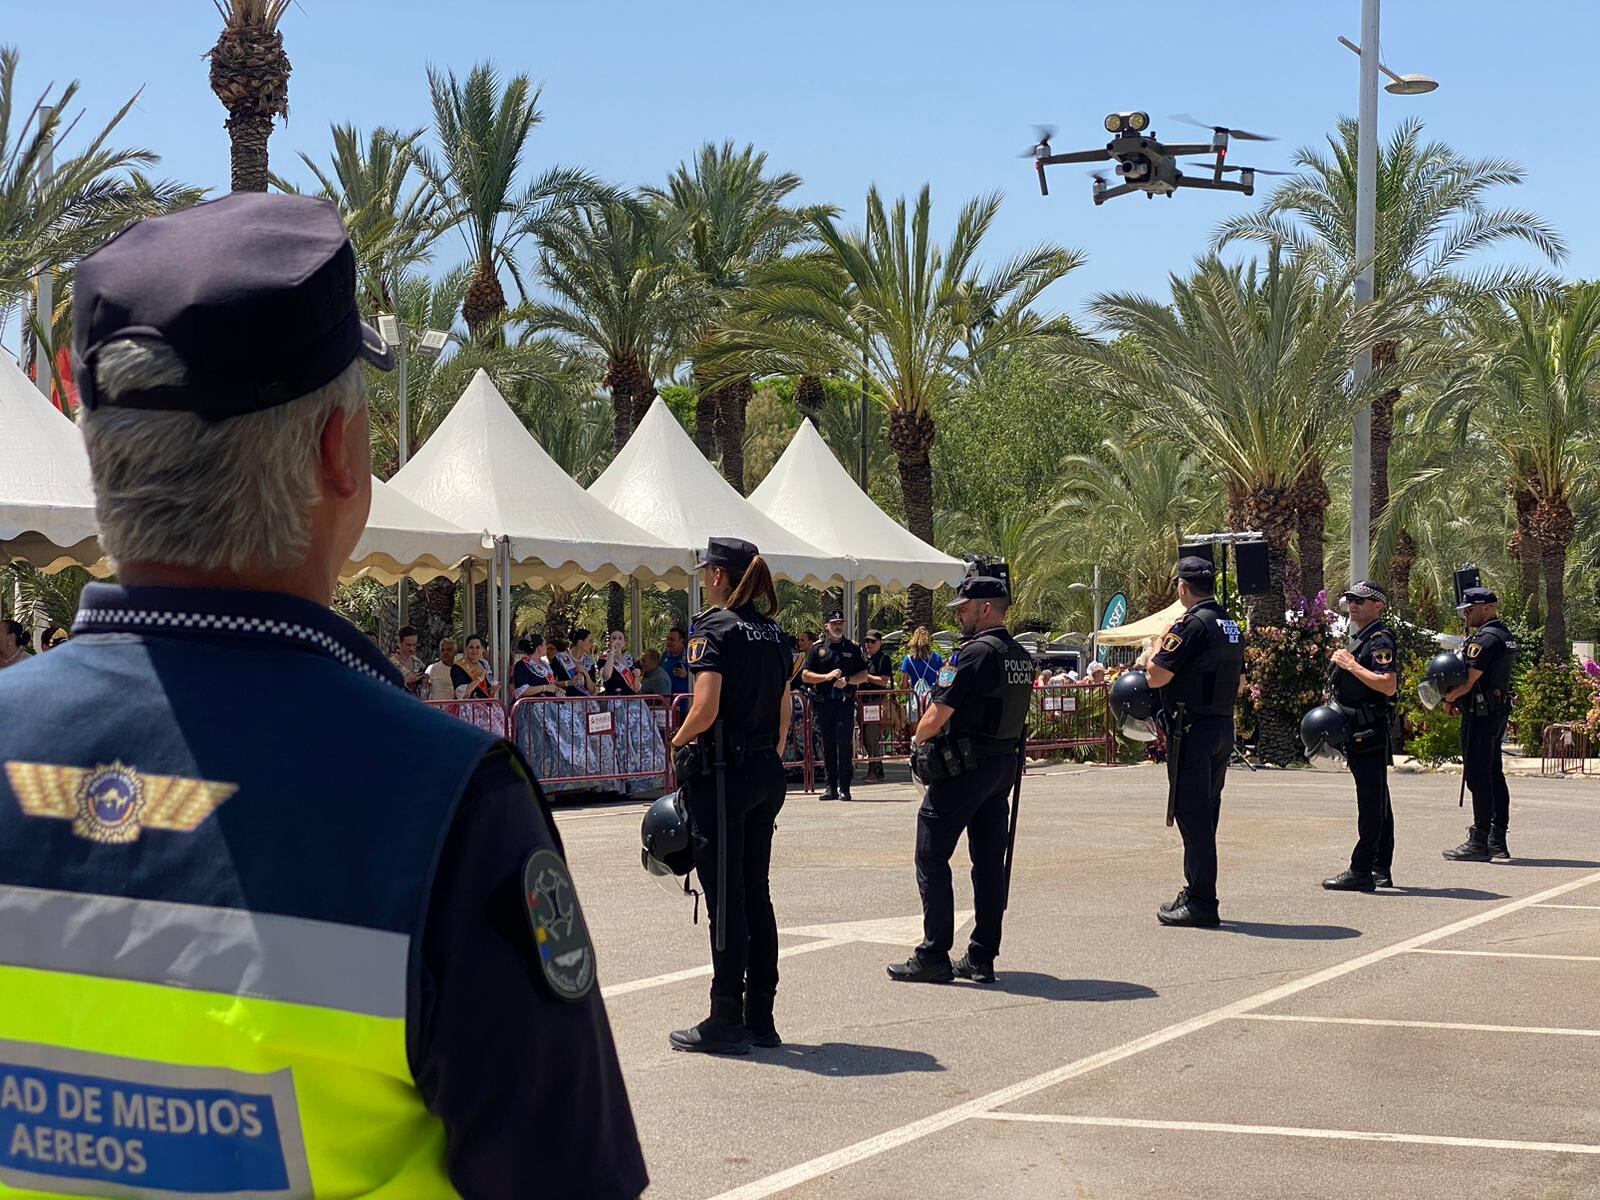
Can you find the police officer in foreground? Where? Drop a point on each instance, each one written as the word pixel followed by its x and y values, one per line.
pixel 1196 668
pixel 833 668
pixel 967 750
pixel 1363 683
pixel 1484 702
pixel 335 970
pixel 727 754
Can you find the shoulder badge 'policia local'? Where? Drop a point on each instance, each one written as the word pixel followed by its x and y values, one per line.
pixel 112 803
pixel 1474 649
pixel 1171 640
pixel 566 954
pixel 1382 657
pixel 697 649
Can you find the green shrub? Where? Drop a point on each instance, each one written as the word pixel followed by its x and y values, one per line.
pixel 1436 739
pixel 1549 694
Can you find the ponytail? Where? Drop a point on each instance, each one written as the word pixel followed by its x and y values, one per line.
pixel 755 584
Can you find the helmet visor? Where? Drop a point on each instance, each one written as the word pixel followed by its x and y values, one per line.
pixel 1137 729
pixel 1431 695
pixel 1325 758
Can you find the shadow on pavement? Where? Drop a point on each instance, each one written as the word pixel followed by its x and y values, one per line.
pixel 846 1060
pixel 1547 862
pixel 1450 893
pixel 1048 987
pixel 1304 933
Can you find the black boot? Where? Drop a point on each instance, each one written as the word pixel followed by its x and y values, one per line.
pixel 917 969
pixel 723 1032
pixel 1350 881
pixel 1383 877
pixel 1474 849
pixel 1186 910
pixel 968 966
pixel 758 1020
pixel 1497 844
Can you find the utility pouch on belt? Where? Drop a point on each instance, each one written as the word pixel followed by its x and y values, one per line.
pixel 1480 704
pixel 945 758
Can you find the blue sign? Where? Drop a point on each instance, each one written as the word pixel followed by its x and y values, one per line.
pixel 1116 612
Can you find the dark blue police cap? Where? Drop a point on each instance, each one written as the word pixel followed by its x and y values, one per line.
pixel 978 587
pixel 1476 595
pixel 836 615
pixel 1194 569
pixel 731 554
pixel 256 294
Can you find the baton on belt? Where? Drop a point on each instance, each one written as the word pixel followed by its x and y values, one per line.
pixel 720 766
pixel 1174 746
pixel 1016 802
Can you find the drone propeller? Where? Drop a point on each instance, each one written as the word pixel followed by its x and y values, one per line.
pixel 1209 165
pixel 1242 134
pixel 1099 177
pixel 1046 133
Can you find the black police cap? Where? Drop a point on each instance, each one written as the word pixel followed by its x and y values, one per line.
pixel 1476 595
pixel 255 293
pixel 731 554
pixel 1194 569
pixel 835 617
pixel 978 587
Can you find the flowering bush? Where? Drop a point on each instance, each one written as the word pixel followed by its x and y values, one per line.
pixel 1286 667
pixel 1552 693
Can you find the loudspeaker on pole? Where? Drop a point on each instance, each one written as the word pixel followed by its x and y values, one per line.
pixel 1252 575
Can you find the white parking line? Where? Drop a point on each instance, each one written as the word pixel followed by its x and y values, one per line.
pixel 1294 1131
pixel 1514 954
pixel 639 985
pixel 1592 907
pixel 1551 1029
pixel 890 1139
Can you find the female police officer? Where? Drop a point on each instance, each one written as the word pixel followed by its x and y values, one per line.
pixel 727 752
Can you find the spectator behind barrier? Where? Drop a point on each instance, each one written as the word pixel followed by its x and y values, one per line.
pixel 13 643
pixel 441 686
pixel 405 657
pixel 656 681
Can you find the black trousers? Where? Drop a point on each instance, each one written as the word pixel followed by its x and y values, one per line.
pixel 977 804
pixel 836 719
pixel 1201 767
pixel 1374 814
pixel 755 792
pixel 1481 763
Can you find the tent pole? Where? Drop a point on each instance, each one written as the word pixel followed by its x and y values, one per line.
pixel 493 615
pixel 694 595
pixel 849 598
pixel 503 663
pixel 635 619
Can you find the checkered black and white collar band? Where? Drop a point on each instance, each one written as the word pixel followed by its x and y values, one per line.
pixel 205 614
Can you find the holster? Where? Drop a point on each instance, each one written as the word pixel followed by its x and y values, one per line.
pixel 944 757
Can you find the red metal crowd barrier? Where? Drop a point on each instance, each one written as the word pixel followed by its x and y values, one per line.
pixel 573 740
pixel 489 715
pixel 1071 717
pixel 1565 748
pixel 885 721
pixel 797 751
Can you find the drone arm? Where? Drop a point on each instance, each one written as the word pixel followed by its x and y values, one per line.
pixel 1193 148
pixel 1044 188
pixel 1081 156
pixel 1105 194
pixel 1215 185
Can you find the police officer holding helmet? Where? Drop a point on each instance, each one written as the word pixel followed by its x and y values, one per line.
pixel 967 749
pixel 350 972
pixel 1484 702
pixel 1362 684
pixel 1196 669
pixel 732 782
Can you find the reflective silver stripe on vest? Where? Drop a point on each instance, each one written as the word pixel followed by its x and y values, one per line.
pixel 292 959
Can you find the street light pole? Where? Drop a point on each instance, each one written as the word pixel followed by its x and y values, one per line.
pixel 45 298
pixel 1366 241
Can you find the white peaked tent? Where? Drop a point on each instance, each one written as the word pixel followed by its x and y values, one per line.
pixel 1135 632
pixel 661 482
pixel 810 494
pixel 46 503
pixel 403 539
pixel 482 470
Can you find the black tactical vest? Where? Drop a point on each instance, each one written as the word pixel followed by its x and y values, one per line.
pixel 1208 686
pixel 999 722
pixel 1495 683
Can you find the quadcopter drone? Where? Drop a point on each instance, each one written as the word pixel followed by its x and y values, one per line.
pixel 1149 166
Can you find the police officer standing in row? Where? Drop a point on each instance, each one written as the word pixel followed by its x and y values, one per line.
pixel 731 777
pixel 1484 702
pixel 346 971
pixel 1196 667
pixel 967 749
pixel 1362 684
pixel 833 668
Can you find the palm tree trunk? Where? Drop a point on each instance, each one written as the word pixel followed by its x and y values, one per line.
pixel 733 400
pixel 706 405
pixel 560 613
pixel 911 436
pixel 485 300
pixel 616 607
pixel 1554 526
pixel 248 132
pixel 808 398
pixel 1270 509
pixel 438 611
pixel 1527 551
pixel 1400 564
pixel 1311 516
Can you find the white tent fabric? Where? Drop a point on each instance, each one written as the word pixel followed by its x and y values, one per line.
pixel 46 503
pixel 482 470
pixel 403 539
pixel 1135 632
pixel 661 482
pixel 811 495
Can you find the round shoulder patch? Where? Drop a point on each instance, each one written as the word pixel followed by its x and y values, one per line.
pixel 560 936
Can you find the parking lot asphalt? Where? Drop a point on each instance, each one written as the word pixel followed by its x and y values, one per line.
pixel 1440 1040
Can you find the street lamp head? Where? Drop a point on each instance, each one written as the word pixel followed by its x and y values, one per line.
pixel 433 341
pixel 389 328
pixel 1411 85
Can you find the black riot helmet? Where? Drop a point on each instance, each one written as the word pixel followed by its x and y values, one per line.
pixel 664 835
pixel 1324 732
pixel 1134 704
pixel 1445 670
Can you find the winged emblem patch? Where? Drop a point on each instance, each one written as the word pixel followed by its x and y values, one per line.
pixel 113 803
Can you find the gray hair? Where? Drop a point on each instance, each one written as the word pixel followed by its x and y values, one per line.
pixel 174 488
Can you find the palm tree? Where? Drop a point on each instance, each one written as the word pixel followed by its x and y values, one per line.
pixel 250 75
pixel 1246 368
pixel 618 293
pixel 915 309
pixel 1431 218
pixel 733 220
pixel 1534 400
pixel 1125 505
pixel 483 132
pixel 393 212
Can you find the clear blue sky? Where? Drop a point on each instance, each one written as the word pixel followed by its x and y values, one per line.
pixel 895 93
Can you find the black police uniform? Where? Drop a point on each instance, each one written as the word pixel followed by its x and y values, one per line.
pixel 1204 650
pixel 752 654
pixel 833 708
pixel 988 684
pixel 1492 649
pixel 1367 749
